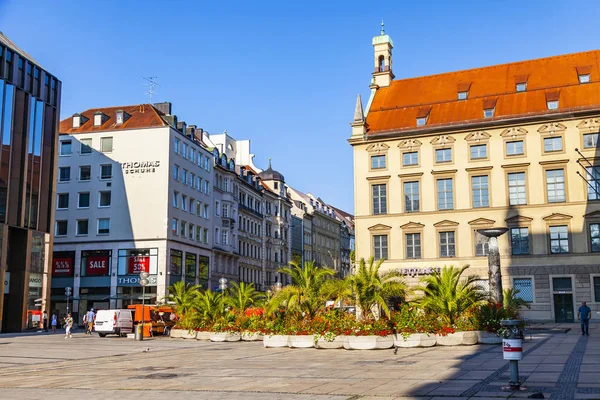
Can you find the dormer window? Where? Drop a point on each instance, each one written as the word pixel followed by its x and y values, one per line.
pixel 521 83
pixel 423 116
pixel 552 100
pixel 421 121
pixel 76 121
pixel 521 87
pixel 122 116
pixel 488 112
pixel 100 118
pixel 489 107
pixel 463 90
pixel 463 95
pixel 584 78
pixel 552 105
pixel 583 73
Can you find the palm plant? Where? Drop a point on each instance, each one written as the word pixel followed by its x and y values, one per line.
pixel 448 294
pixel 184 296
pixel 242 296
pixel 512 301
pixel 208 306
pixel 305 294
pixel 371 290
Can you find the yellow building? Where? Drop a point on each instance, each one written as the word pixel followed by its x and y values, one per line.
pixel 515 145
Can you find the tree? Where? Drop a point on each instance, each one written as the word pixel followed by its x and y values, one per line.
pixel 184 296
pixel 448 294
pixel 242 296
pixel 512 301
pixel 371 290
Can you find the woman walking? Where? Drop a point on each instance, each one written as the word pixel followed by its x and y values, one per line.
pixel 68 326
pixel 53 322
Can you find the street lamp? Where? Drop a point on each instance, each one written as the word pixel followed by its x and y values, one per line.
pixel 68 294
pixel 278 286
pixel 143 282
pixel 494 273
pixel 223 287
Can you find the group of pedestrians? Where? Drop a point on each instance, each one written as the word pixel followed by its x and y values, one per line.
pixel 53 322
pixel 88 321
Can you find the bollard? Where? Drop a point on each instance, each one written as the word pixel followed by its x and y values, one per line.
pixel 139 333
pixel 512 350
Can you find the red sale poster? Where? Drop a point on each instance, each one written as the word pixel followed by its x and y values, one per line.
pixel 97 265
pixel 138 264
pixel 62 266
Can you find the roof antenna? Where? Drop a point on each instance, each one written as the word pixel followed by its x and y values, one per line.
pixel 382 28
pixel 269 162
pixel 152 85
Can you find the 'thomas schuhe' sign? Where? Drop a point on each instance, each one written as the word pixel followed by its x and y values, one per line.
pixel 419 271
pixel 140 167
pixel 97 265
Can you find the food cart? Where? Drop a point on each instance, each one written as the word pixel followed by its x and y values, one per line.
pixel 157 319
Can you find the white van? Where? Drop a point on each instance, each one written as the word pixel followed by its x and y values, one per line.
pixel 116 322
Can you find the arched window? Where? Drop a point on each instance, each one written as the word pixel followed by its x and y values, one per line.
pixel 381 63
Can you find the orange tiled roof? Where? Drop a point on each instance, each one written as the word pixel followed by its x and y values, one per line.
pixel 396 108
pixel 141 116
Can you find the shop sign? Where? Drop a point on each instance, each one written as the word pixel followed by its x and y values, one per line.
pixel 140 167
pixel 138 264
pixel 97 265
pixel 6 282
pixel 62 266
pixel 419 271
pixel 134 280
pixel 35 280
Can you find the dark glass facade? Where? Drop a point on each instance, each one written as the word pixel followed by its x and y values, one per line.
pixel 29 117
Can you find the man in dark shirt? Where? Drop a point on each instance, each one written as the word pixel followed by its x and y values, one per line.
pixel 584 314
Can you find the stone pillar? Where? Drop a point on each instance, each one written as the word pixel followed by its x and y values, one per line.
pixel 494 273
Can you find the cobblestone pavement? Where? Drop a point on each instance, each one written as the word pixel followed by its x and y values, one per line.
pixel 46 366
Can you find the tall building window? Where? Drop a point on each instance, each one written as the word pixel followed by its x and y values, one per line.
pixel 445 197
pixel 447 244
pixel 105 199
pixel 479 188
pixel 559 239
pixel 82 227
pixel 377 162
pixel 86 146
pixel 519 241
pixel 103 226
pixel 60 228
pixel 413 245
pixel 105 171
pixel 183 229
pixel 176 145
pixel 553 144
pixel 478 151
pixel 590 141
pixel 443 155
pixel 174 226
pixel 85 173
pixel 555 185
pixel 516 188
pixel 379 199
pixel 84 200
pixel 176 199
pixel 184 202
pixel 593 185
pixel 176 172
pixel 524 286
pixel 411 196
pixel 595 237
pixel 62 201
pixel 106 144
pixel 380 247
pixel 64 174
pixel 410 158
pixel 514 148
pixel 65 148
pixel 597 289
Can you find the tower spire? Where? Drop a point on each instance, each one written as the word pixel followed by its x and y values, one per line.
pixel 359 115
pixel 269 163
pixel 382 28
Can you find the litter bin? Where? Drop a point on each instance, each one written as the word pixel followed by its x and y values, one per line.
pixel 138 332
pixel 512 349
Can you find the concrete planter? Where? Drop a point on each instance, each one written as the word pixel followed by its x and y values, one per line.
pixel 457 339
pixel 275 340
pixel 385 342
pixel 361 343
pixel 484 337
pixel 203 335
pixel 336 343
pixel 177 333
pixel 251 336
pixel 225 337
pixel 415 340
pixel 189 335
pixel 301 341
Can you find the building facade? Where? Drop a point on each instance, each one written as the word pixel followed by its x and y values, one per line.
pixel 134 192
pixel 29 115
pixel 515 145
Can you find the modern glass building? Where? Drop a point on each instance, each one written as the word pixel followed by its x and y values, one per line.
pixel 29 117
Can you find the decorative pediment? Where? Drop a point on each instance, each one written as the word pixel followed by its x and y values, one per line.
pixel 589 125
pixel 552 128
pixel 482 221
pixel 592 215
pixel 442 140
pixel 378 148
pixel 513 132
pixel 380 227
pixel 557 217
pixel 518 219
pixel 479 136
pixel 445 223
pixel 409 144
pixel 412 225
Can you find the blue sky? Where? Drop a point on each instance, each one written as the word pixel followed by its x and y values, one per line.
pixel 284 74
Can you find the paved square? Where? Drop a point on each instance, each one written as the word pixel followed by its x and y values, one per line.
pixel 46 366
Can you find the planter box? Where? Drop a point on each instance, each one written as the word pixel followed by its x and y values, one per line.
pixel 457 339
pixel 361 343
pixel 225 337
pixel 251 336
pixel 275 340
pixel 203 335
pixel 189 335
pixel 385 342
pixel 301 341
pixel 415 340
pixel 177 333
pixel 336 343
pixel 484 337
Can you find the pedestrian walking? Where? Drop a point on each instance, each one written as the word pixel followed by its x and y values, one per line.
pixel 90 317
pixel 584 314
pixel 68 326
pixel 53 322
pixel 85 324
pixel 45 321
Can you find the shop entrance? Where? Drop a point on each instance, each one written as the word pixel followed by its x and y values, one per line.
pixel 563 308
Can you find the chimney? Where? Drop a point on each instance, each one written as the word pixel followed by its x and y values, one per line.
pixel 164 107
pixel 198 134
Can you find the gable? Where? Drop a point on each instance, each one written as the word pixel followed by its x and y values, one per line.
pixel 482 221
pixel 552 128
pixel 445 223
pixel 518 219
pixel 513 132
pixel 380 227
pixel 378 148
pixel 477 136
pixel 412 225
pixel 557 217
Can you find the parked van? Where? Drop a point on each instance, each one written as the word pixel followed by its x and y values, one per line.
pixel 115 322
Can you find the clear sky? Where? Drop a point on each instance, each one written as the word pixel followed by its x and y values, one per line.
pixel 284 74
